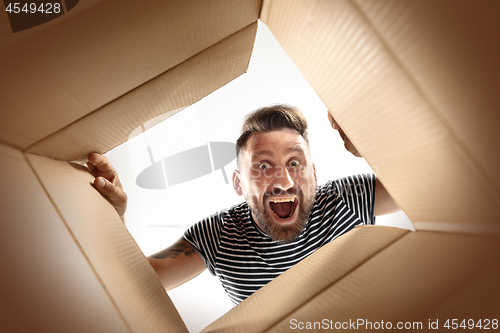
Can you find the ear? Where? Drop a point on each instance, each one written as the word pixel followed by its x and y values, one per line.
pixel 237 183
pixel 314 168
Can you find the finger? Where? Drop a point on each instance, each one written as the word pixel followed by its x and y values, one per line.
pixel 350 148
pixel 100 162
pixel 348 144
pixel 330 119
pixel 333 122
pixel 115 194
pixel 342 135
pixel 92 169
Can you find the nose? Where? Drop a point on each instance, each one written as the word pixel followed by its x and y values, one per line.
pixel 283 181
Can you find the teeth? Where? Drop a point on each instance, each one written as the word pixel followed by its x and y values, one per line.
pixel 283 200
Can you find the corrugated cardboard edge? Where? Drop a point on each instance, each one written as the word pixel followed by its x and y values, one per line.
pixel 131 281
pixel 367 92
pixel 453 67
pixel 264 10
pixel 413 275
pixel 172 91
pixel 84 63
pixel 458 228
pixel 309 278
pixel 44 262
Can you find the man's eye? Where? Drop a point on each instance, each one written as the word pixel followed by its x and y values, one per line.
pixel 294 163
pixel 264 166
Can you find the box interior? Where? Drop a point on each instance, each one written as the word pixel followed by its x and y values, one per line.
pixel 412 84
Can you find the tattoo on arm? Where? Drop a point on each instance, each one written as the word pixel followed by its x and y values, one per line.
pixel 175 251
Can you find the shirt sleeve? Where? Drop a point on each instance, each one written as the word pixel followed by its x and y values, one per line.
pixel 204 236
pixel 358 192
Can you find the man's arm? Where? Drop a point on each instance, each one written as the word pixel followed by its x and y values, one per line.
pixel 177 264
pixel 384 204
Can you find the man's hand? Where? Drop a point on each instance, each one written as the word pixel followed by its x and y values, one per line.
pixel 107 183
pixel 347 142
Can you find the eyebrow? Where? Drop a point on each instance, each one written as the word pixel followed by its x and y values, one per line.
pixel 293 149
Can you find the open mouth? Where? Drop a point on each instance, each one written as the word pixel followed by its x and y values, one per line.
pixel 283 207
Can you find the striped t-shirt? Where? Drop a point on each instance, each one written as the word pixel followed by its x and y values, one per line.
pixel 245 258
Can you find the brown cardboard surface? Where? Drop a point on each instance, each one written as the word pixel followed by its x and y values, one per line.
pixel 169 93
pixel 451 51
pixel 413 277
pixel 120 264
pixel 483 290
pixel 53 78
pixel 9 38
pixel 412 83
pixel 46 282
pixel 390 118
pixel 306 280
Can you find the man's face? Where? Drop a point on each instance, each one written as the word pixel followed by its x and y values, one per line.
pixel 278 181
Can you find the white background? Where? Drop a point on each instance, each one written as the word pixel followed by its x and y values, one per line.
pixel 157 218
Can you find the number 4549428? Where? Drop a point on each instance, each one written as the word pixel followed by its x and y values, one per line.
pixel 47 8
pixel 484 324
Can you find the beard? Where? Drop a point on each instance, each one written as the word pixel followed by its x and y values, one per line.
pixel 282 233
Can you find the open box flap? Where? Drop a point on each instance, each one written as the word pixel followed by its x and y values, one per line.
pixel 376 273
pixel 46 277
pixel 396 96
pixel 306 280
pixel 156 100
pixel 61 73
pixel 116 258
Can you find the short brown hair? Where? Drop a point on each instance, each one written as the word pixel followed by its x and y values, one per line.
pixel 271 118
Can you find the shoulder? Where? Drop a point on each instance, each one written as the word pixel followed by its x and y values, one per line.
pixel 237 220
pixel 236 212
pixel 206 234
pixel 356 184
pixel 230 217
pixel 357 192
pixel 345 187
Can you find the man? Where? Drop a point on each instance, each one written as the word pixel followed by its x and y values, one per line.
pixel 285 216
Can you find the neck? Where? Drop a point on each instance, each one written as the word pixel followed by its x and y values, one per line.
pixel 256 221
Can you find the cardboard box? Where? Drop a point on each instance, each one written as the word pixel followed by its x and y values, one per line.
pixel 413 84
